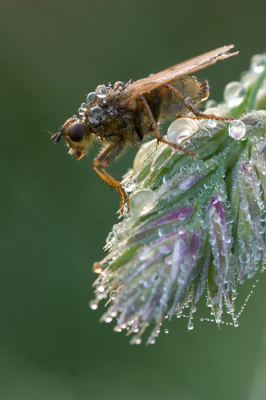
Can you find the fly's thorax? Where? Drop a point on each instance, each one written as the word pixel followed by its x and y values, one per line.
pixel 105 119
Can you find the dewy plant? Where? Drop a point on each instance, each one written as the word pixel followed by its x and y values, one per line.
pixel 196 226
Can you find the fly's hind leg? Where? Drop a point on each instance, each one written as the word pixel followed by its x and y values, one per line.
pixel 190 106
pixel 143 104
pixel 103 159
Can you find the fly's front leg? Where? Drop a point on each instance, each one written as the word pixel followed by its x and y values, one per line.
pixel 143 104
pixel 103 159
pixel 190 106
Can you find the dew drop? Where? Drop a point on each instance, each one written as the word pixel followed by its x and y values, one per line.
pixel 234 94
pixel 93 305
pixel 190 326
pixel 237 129
pixel 261 97
pixel 210 103
pixel 135 340
pixel 139 159
pixel 167 179
pixel 214 111
pixel 91 96
pixel 258 63
pixel 248 78
pixel 119 85
pixel 96 113
pixel 181 129
pixel 101 91
pixel 142 202
pixel 212 123
pixel 149 145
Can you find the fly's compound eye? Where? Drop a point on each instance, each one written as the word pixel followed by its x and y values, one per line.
pixel 76 132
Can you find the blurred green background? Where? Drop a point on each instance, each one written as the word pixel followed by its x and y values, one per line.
pixel 56 214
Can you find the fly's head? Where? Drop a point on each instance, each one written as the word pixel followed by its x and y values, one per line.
pixel 77 135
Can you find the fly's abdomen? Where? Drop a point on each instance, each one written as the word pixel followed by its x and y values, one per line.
pixel 190 88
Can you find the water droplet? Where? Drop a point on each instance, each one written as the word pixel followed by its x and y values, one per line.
pixel 142 202
pixel 139 159
pixel 119 85
pixel 108 319
pixel 101 91
pixel 212 123
pixel 210 104
pixel 261 97
pixel 234 94
pixel 91 96
pixel 237 129
pixel 100 289
pixel 167 179
pixel 166 330
pixel 258 63
pixel 214 111
pixel 244 258
pixel 112 294
pixel 149 145
pixel 190 326
pixel 181 129
pixel 248 78
pixel 96 114
pixel 93 305
pixel 135 340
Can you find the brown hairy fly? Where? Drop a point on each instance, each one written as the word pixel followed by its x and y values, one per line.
pixel 128 113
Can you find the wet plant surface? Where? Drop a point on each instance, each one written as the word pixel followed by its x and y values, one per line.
pixel 196 227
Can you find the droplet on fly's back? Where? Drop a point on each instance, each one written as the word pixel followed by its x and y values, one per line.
pixel 101 91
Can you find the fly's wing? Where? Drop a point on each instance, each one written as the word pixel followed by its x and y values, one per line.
pixel 146 85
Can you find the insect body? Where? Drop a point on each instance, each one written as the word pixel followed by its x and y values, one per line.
pixel 128 113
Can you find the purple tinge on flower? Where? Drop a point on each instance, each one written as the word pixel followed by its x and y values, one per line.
pixel 179 184
pixel 169 217
pixel 220 236
pixel 207 230
pixel 221 243
pixel 249 231
pixel 154 282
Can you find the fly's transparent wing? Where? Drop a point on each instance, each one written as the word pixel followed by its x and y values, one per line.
pixel 155 81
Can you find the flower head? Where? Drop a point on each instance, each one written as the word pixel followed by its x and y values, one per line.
pixel 195 225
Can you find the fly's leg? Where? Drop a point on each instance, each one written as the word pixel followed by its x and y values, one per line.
pixel 190 106
pixel 143 104
pixel 187 116
pixel 102 160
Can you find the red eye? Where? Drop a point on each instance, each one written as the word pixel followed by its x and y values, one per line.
pixel 76 132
